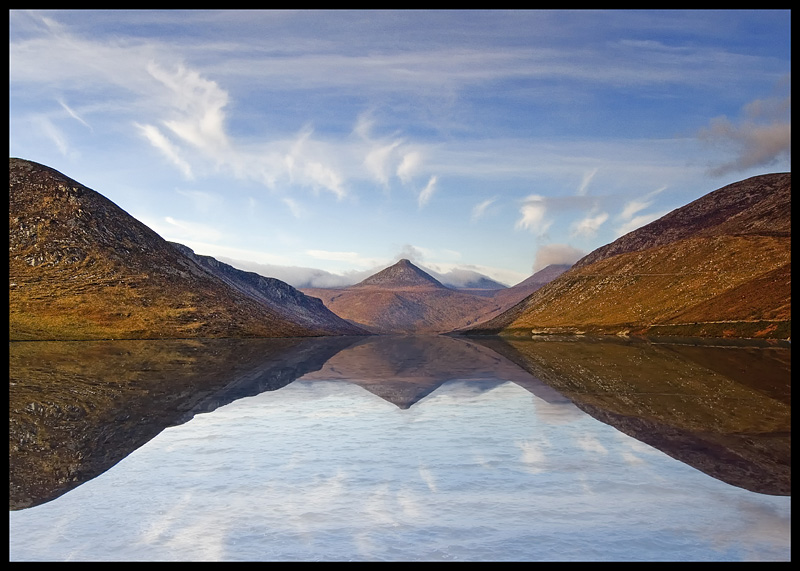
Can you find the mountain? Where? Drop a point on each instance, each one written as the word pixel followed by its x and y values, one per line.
pixel 511 296
pixel 404 299
pixel 402 275
pixel 469 281
pixel 80 267
pixel 287 300
pixel 717 267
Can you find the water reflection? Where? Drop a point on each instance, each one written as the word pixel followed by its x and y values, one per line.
pixel 78 408
pixel 724 409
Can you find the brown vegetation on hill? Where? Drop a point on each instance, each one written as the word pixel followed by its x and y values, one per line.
pixel 80 267
pixel 718 267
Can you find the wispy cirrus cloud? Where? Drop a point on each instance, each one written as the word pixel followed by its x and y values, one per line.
pixel 629 220
pixel 427 192
pixel 172 153
pixel 589 225
pixel 480 209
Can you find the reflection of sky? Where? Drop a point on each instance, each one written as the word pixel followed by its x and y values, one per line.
pixel 328 471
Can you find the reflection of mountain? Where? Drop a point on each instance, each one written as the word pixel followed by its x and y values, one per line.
pixel 725 410
pixel 78 408
pixel 405 369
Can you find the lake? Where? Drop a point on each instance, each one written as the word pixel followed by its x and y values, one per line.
pixel 400 449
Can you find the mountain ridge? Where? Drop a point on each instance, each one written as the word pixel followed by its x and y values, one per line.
pixel 80 267
pixel 717 267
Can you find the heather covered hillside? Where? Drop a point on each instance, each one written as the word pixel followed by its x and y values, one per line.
pixel 717 267
pixel 80 267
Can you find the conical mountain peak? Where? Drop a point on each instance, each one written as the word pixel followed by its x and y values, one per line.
pixel 403 274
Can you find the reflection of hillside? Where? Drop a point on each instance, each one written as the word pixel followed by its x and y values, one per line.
pixel 78 408
pixel 724 410
pixel 405 369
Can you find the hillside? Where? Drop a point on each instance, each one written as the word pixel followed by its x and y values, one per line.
pixel 511 296
pixel 80 267
pixel 288 301
pixel 717 267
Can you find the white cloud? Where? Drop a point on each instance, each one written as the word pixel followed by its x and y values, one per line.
pixel 427 192
pixel 74 115
pixel 628 216
pixel 587 178
pixel 409 166
pixel 323 176
pixel 170 151
pixel 762 136
pixel 199 104
pixel 556 254
pixel 377 162
pixel 533 210
pixel 588 226
pixel 53 133
pixel 353 258
pixel 480 209
pixel 296 209
pixel 638 222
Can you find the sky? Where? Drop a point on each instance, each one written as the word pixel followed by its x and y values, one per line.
pixel 319 147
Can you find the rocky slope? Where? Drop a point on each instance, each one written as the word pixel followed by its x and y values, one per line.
pixel 290 302
pixel 717 267
pixel 80 267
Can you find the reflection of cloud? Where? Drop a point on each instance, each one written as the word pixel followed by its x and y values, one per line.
pixel 427 477
pixel 590 443
pixel 532 456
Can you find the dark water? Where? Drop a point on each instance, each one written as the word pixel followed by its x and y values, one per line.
pixel 399 448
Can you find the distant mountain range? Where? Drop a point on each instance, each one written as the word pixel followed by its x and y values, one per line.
pixel 403 298
pixel 717 267
pixel 80 267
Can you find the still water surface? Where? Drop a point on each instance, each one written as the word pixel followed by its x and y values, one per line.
pixel 384 453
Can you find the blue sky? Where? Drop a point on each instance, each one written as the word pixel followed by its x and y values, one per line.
pixel 319 147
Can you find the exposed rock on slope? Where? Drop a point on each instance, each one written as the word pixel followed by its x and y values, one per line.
pixel 80 267
pixel 717 267
pixel 290 302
